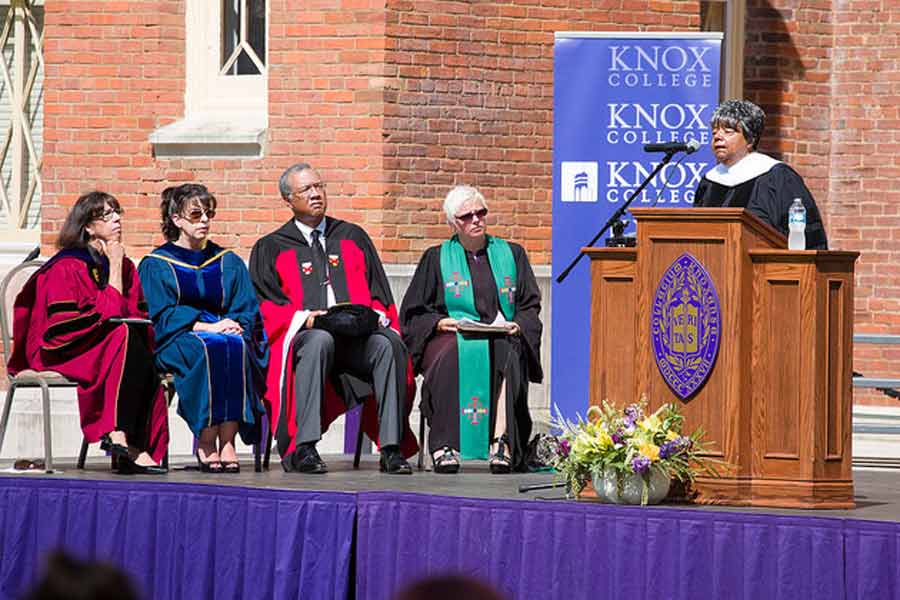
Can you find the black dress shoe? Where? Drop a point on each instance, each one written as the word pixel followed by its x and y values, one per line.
pixel 129 467
pixel 304 460
pixel 393 463
pixel 107 445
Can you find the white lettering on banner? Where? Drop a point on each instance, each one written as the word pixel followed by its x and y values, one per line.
pixel 670 116
pixel 648 196
pixel 659 66
pixel 633 136
pixel 625 176
pixel 674 58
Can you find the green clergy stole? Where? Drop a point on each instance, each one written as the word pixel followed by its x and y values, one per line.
pixel 474 353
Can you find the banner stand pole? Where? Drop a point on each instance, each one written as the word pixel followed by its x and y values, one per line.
pixel 614 218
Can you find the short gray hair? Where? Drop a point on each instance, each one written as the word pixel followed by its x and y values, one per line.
pixel 284 186
pixel 740 115
pixel 458 196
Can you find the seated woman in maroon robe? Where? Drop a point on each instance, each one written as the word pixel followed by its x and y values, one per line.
pixel 476 382
pixel 70 318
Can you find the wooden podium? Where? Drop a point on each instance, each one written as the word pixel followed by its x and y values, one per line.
pixel 777 402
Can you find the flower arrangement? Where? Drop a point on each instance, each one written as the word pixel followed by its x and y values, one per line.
pixel 626 443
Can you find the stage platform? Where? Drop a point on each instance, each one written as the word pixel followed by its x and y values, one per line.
pixel 361 534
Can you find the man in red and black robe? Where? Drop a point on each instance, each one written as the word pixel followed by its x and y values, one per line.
pixel 311 263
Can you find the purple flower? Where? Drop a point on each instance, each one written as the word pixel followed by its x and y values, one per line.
pixel 640 464
pixel 632 414
pixel 618 437
pixel 564 448
pixel 676 446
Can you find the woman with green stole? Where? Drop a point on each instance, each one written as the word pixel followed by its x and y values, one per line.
pixel 475 393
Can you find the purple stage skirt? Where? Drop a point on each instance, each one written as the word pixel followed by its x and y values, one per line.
pixel 264 543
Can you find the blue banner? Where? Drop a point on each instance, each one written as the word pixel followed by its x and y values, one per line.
pixel 613 93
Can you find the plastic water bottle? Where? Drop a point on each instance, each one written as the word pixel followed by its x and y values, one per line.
pixel 797 225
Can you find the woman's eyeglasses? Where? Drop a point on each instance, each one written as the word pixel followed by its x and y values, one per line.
pixel 195 215
pixel 109 214
pixel 481 213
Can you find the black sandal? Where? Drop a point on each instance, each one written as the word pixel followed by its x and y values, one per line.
pixel 232 467
pixel 447 463
pixel 499 462
pixel 213 466
pixel 107 445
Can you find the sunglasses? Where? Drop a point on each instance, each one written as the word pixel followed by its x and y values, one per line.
pixel 196 215
pixel 481 213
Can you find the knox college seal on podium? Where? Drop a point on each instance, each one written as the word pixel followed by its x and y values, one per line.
pixel 685 325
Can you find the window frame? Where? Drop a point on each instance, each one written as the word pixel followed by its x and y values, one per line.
pixel 206 89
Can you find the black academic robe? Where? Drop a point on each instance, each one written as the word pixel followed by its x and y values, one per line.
pixel 284 274
pixel 516 359
pixel 768 196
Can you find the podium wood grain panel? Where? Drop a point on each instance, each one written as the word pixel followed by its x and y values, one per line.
pixel 614 315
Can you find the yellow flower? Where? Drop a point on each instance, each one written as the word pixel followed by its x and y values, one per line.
pixel 672 436
pixel 593 414
pixel 605 439
pixel 651 451
pixel 651 423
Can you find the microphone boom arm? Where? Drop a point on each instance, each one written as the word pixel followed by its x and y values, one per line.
pixel 618 214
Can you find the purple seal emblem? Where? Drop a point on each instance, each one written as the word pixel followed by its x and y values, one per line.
pixel 685 325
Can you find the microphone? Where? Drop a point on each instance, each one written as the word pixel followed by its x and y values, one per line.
pixel 689 147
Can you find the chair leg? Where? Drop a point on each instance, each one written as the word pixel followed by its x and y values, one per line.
pixel 268 450
pixel 422 443
pixel 48 451
pixel 359 443
pixel 82 456
pixel 7 406
pixel 257 457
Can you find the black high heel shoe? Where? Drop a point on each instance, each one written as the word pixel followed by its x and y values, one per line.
pixel 213 466
pixel 107 445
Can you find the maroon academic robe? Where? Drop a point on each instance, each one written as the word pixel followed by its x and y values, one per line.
pixel 281 268
pixel 61 323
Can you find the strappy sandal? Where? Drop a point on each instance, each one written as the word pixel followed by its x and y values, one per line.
pixel 209 466
pixel 446 462
pixel 499 462
pixel 232 467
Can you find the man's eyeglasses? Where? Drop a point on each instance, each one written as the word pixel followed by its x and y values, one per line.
pixel 481 213
pixel 195 215
pixel 319 185
pixel 109 214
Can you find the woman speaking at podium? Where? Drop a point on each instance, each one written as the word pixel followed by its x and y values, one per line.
pixel 745 178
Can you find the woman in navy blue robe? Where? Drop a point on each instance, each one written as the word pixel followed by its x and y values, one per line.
pixel 208 328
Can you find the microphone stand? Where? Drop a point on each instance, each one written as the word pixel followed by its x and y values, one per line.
pixel 614 221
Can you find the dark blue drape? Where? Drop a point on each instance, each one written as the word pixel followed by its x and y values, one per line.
pixel 179 540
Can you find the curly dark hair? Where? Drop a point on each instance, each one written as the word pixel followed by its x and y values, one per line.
pixel 87 208
pixel 174 201
pixel 741 115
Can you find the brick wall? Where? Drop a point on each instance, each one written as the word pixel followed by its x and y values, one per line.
pixel 115 73
pixel 393 101
pixel 826 75
pixel 469 99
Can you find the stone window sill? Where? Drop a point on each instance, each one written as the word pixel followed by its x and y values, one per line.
pixel 219 135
